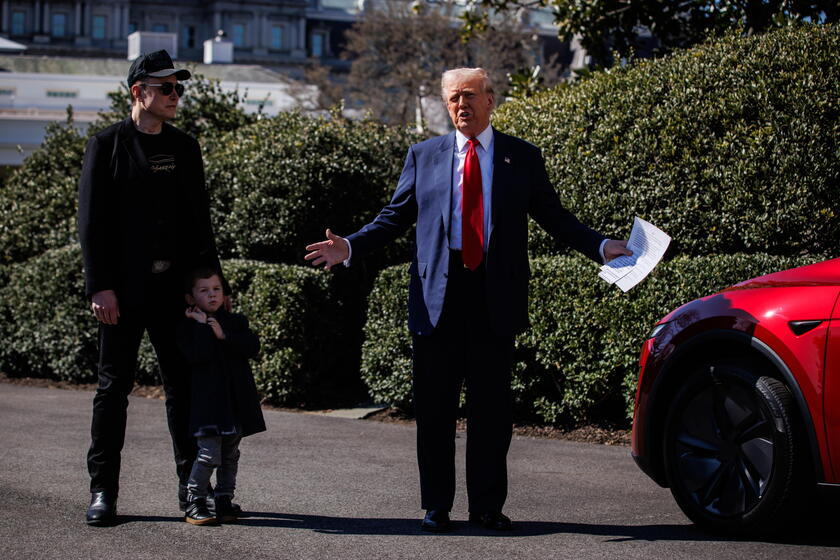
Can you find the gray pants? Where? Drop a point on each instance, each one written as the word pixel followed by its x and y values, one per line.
pixel 220 453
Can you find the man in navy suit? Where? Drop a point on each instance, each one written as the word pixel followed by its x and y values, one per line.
pixel 470 193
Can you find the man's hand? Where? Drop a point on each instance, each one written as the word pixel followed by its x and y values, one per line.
pixel 614 248
pixel 217 328
pixel 330 252
pixel 196 314
pixel 105 307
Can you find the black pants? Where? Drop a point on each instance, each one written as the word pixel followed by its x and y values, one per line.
pixel 118 348
pixel 463 349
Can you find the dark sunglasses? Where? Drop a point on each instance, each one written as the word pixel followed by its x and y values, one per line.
pixel 166 88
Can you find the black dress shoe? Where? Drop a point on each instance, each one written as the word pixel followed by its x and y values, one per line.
pixel 197 512
pixel 495 521
pixel 182 497
pixel 436 521
pixel 227 511
pixel 102 511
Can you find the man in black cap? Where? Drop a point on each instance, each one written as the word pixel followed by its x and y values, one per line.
pixel 144 221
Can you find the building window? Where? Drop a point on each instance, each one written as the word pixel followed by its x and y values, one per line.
pixel 61 93
pixel 7 92
pixel 100 24
pixel 277 37
pixel 160 28
pixel 318 42
pixel 18 23
pixel 238 35
pixel 188 37
pixel 132 27
pixel 59 24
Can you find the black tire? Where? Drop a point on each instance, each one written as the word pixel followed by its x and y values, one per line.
pixel 731 449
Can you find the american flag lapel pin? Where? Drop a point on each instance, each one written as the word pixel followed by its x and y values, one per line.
pixel 507 159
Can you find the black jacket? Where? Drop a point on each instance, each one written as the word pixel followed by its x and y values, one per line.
pixel 224 396
pixel 116 212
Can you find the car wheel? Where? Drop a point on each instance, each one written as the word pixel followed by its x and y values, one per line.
pixel 731 449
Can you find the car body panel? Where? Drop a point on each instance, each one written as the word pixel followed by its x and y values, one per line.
pixel 832 391
pixel 755 314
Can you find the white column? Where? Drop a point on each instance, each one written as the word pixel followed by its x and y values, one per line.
pixel 125 21
pixel 37 19
pixel 45 23
pixel 302 35
pixel 217 22
pixel 5 22
pixel 115 22
pixel 77 21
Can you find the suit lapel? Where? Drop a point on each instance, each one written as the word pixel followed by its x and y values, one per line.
pixel 131 142
pixel 502 163
pixel 443 161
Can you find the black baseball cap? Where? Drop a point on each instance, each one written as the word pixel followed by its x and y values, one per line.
pixel 155 65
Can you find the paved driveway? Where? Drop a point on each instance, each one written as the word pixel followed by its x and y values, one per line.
pixel 322 487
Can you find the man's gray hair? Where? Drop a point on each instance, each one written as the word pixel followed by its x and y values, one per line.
pixel 464 74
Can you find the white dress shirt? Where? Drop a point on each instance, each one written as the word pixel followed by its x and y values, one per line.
pixel 484 151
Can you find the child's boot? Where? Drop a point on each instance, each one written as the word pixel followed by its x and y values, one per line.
pixel 197 512
pixel 226 511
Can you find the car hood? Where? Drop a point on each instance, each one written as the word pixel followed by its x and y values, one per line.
pixel 826 273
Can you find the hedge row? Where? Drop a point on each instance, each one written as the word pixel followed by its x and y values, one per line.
pixel 579 359
pixel 277 184
pixel 38 201
pixel 729 147
pixel 48 331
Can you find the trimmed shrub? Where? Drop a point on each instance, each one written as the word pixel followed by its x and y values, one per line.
pixel 277 184
pixel 48 330
pixel 579 360
pixel 38 201
pixel 729 147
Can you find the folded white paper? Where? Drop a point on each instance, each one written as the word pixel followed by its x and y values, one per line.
pixel 648 244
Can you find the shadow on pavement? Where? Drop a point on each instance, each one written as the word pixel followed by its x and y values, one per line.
pixel 819 532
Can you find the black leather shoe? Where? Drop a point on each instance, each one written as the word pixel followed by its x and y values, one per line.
pixel 227 511
pixel 495 521
pixel 182 497
pixel 102 511
pixel 436 521
pixel 197 512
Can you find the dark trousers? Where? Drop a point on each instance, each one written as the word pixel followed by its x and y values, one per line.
pixel 118 348
pixel 463 350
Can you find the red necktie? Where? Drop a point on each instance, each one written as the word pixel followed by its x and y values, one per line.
pixel 472 210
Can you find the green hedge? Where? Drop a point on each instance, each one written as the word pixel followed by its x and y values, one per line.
pixel 579 359
pixel 48 331
pixel 277 184
pixel 38 200
pixel 729 147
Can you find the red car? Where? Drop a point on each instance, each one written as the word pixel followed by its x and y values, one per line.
pixel 738 404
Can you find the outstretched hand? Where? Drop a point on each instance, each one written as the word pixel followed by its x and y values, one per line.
pixel 330 252
pixel 614 248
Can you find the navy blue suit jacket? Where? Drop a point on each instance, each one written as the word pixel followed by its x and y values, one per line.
pixel 424 195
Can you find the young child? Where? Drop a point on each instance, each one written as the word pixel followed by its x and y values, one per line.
pixel 224 406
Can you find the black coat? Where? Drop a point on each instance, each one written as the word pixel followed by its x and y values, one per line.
pixel 116 212
pixel 223 396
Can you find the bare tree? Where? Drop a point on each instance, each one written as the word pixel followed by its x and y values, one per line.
pixel 399 52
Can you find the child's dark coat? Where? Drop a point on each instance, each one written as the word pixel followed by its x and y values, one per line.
pixel 224 396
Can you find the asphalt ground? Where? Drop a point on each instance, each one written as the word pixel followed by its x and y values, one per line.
pixel 326 487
